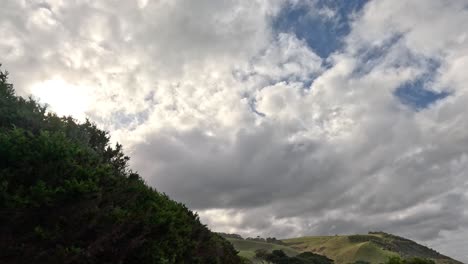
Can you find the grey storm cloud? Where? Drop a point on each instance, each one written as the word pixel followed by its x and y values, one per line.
pixel 249 126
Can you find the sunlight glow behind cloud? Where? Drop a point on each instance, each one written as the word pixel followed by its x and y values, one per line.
pixel 63 98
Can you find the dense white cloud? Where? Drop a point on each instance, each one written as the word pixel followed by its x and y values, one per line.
pixel 237 120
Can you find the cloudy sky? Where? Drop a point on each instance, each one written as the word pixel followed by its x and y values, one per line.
pixel 274 118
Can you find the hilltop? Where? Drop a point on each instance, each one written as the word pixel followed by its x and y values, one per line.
pixel 374 247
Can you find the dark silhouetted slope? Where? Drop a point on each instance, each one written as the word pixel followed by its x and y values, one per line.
pixel 67 196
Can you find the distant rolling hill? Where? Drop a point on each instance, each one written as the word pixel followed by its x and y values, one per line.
pixel 247 248
pixel 341 249
pixel 375 247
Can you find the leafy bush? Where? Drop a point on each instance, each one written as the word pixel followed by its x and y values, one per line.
pixel 67 196
pixel 279 257
pixel 398 260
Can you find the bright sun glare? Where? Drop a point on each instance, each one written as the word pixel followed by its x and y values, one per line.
pixel 62 98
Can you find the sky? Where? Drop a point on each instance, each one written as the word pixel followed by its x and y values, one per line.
pixel 274 118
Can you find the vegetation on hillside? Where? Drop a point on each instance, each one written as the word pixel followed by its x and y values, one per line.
pixel 279 257
pixel 375 247
pixel 67 196
pixel 271 240
pixel 247 248
pixel 404 247
pixel 398 260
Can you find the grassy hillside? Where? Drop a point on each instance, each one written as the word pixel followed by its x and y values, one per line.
pixel 67 196
pixel 373 248
pixel 247 248
pixel 340 249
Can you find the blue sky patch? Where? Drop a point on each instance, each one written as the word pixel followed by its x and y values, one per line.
pixel 416 95
pixel 323 34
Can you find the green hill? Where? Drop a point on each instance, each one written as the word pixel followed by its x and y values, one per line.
pixel 247 248
pixel 375 247
pixel 67 196
pixel 340 249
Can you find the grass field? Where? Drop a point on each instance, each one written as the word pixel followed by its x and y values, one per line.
pixel 374 248
pixel 247 248
pixel 340 249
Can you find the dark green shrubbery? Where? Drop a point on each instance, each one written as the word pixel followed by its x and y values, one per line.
pixel 398 260
pixel 67 196
pixel 279 257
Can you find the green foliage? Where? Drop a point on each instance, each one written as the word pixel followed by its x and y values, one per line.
pixel 67 196
pixel 404 247
pixel 247 248
pixel 375 247
pixel 398 260
pixel 279 257
pixel 261 253
pixel 273 240
pixel 245 260
pixel 312 258
pixel 226 235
